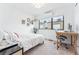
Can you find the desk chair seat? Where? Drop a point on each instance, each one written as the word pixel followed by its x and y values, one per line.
pixel 64 41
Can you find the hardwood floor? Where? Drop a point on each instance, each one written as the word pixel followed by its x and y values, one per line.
pixel 48 48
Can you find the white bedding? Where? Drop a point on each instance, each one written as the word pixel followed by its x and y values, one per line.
pixel 25 40
pixel 29 41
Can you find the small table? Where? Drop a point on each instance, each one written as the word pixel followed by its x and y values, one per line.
pixel 12 49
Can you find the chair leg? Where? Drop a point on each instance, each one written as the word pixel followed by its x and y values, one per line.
pixel 58 44
pixel 57 47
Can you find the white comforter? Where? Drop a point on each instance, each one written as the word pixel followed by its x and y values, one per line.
pixel 29 41
pixel 26 38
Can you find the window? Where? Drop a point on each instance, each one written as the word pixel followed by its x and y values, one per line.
pixel 56 23
pixel 45 23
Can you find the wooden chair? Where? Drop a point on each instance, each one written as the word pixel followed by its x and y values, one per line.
pixel 63 40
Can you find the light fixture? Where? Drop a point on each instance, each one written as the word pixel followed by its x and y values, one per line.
pixel 38 5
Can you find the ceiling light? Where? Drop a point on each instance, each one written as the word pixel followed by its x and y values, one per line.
pixel 38 5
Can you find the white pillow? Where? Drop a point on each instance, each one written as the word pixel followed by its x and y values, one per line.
pixel 11 38
pixel 15 37
pixel 8 36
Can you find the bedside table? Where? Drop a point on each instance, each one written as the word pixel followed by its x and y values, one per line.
pixel 13 49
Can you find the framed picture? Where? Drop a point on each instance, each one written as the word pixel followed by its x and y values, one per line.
pixel 23 21
pixel 28 19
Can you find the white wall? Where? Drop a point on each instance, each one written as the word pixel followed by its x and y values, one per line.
pixel 76 28
pixel 10 17
pixel 76 18
pixel 68 13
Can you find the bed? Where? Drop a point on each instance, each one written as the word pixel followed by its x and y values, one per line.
pixel 29 41
pixel 25 40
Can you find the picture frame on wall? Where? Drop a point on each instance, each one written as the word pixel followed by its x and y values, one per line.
pixel 28 19
pixel 23 21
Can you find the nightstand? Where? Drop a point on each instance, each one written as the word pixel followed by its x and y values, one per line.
pixel 13 49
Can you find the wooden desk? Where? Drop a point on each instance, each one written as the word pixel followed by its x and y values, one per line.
pixel 73 39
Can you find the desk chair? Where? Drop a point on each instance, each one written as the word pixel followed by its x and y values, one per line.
pixel 63 41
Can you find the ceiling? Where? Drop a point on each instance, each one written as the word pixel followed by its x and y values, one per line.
pixel 29 8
